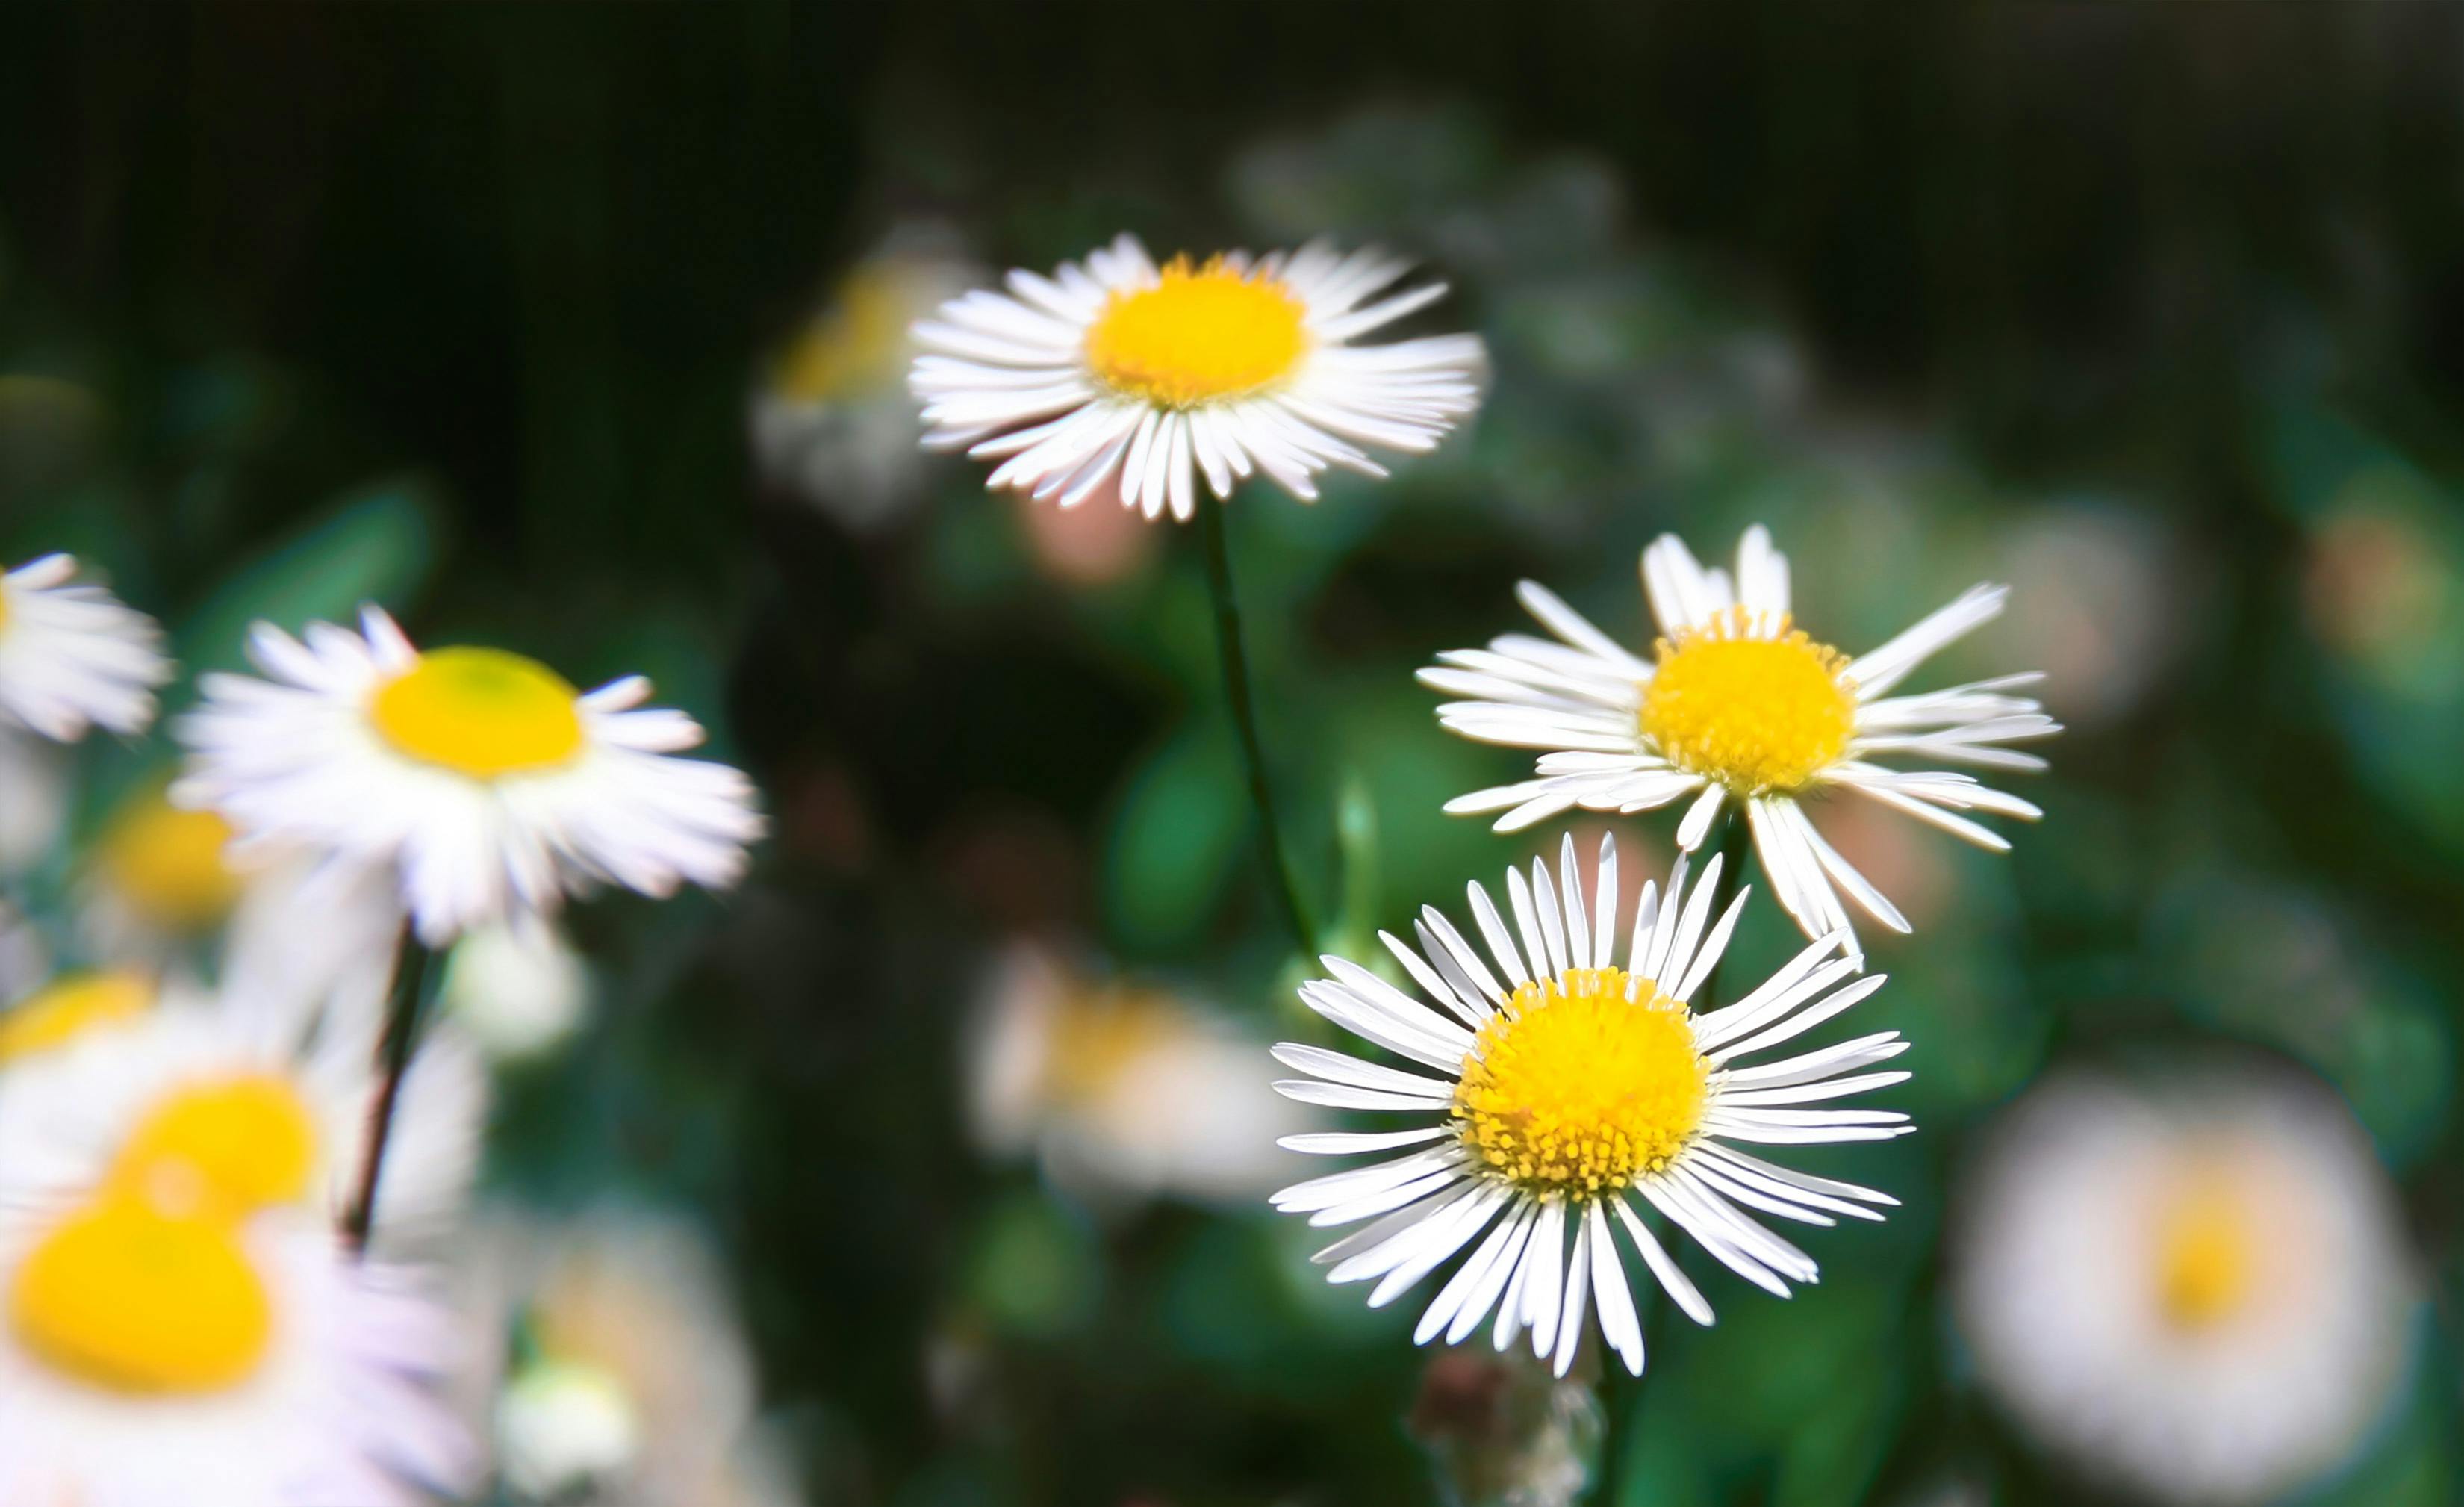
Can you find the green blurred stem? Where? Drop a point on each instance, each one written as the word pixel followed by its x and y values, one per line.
pixel 413 968
pixel 1244 715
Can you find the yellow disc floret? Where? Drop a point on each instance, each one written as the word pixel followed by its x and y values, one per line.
pixel 68 1006
pixel 480 712
pixel 126 1296
pixel 1197 336
pixel 1582 1084
pixel 854 347
pixel 168 866
pixel 2204 1259
pixel 228 1145
pixel 1759 715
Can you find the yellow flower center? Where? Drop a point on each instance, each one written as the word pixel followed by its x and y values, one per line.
pixel 67 1007
pixel 2204 1259
pixel 4 608
pixel 1197 336
pixel 167 864
pixel 1758 715
pixel 1101 1034
pixel 227 1146
pixel 854 347
pixel 126 1296
pixel 1575 1089
pixel 480 712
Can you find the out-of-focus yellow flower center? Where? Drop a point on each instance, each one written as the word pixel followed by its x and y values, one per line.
pixel 133 1299
pixel 1101 1034
pixel 480 712
pixel 167 864
pixel 1759 715
pixel 2204 1259
pixel 853 347
pixel 1574 1089
pixel 1198 335
pixel 226 1146
pixel 4 609
pixel 67 1007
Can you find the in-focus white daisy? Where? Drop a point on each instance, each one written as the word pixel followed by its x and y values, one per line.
pixel 249 1098
pixel 2195 1287
pixel 480 778
pixel 624 1380
pixel 1737 705
pixel 1121 377
pixel 1563 1087
pixel 155 1351
pixel 1120 1091
pixel 72 656
pixel 832 420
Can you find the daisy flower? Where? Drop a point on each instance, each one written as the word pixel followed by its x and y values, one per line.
pixel 1736 705
pixel 1560 1089
pixel 1124 377
pixel 256 1102
pixel 2197 1291
pixel 72 656
pixel 1122 1093
pixel 623 1378
pixel 153 1351
pixel 481 779
pixel 832 420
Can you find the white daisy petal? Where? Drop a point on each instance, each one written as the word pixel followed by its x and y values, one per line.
pixel 72 657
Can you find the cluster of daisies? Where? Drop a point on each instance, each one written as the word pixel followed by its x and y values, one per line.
pixel 2197 1299
pixel 226 1189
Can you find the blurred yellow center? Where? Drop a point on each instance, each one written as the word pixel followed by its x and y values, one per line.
pixel 1198 335
pixel 64 1009
pixel 481 712
pixel 1100 1035
pixel 1574 1089
pixel 1756 715
pixel 2204 1260
pixel 167 864
pixel 227 1146
pixel 4 607
pixel 126 1296
pixel 853 347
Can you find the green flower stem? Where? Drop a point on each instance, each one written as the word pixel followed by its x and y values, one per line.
pixel 413 972
pixel 1245 718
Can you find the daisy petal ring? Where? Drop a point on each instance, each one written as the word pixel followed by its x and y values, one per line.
pixel 1548 1089
pixel 1736 705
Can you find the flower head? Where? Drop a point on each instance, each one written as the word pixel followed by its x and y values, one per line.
pixel 483 780
pixel 2198 1293
pixel 179 1320
pixel 1566 1086
pixel 1737 705
pixel 72 656
pixel 1127 378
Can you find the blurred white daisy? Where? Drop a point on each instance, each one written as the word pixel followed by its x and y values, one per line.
pixel 158 875
pixel 1563 1088
pixel 33 799
pixel 625 1379
pixel 2197 1288
pixel 516 989
pixel 1124 378
pixel 488 784
pixel 832 419
pixel 253 1102
pixel 155 1351
pixel 72 656
pixel 1737 705
pixel 65 1007
pixel 1120 1091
